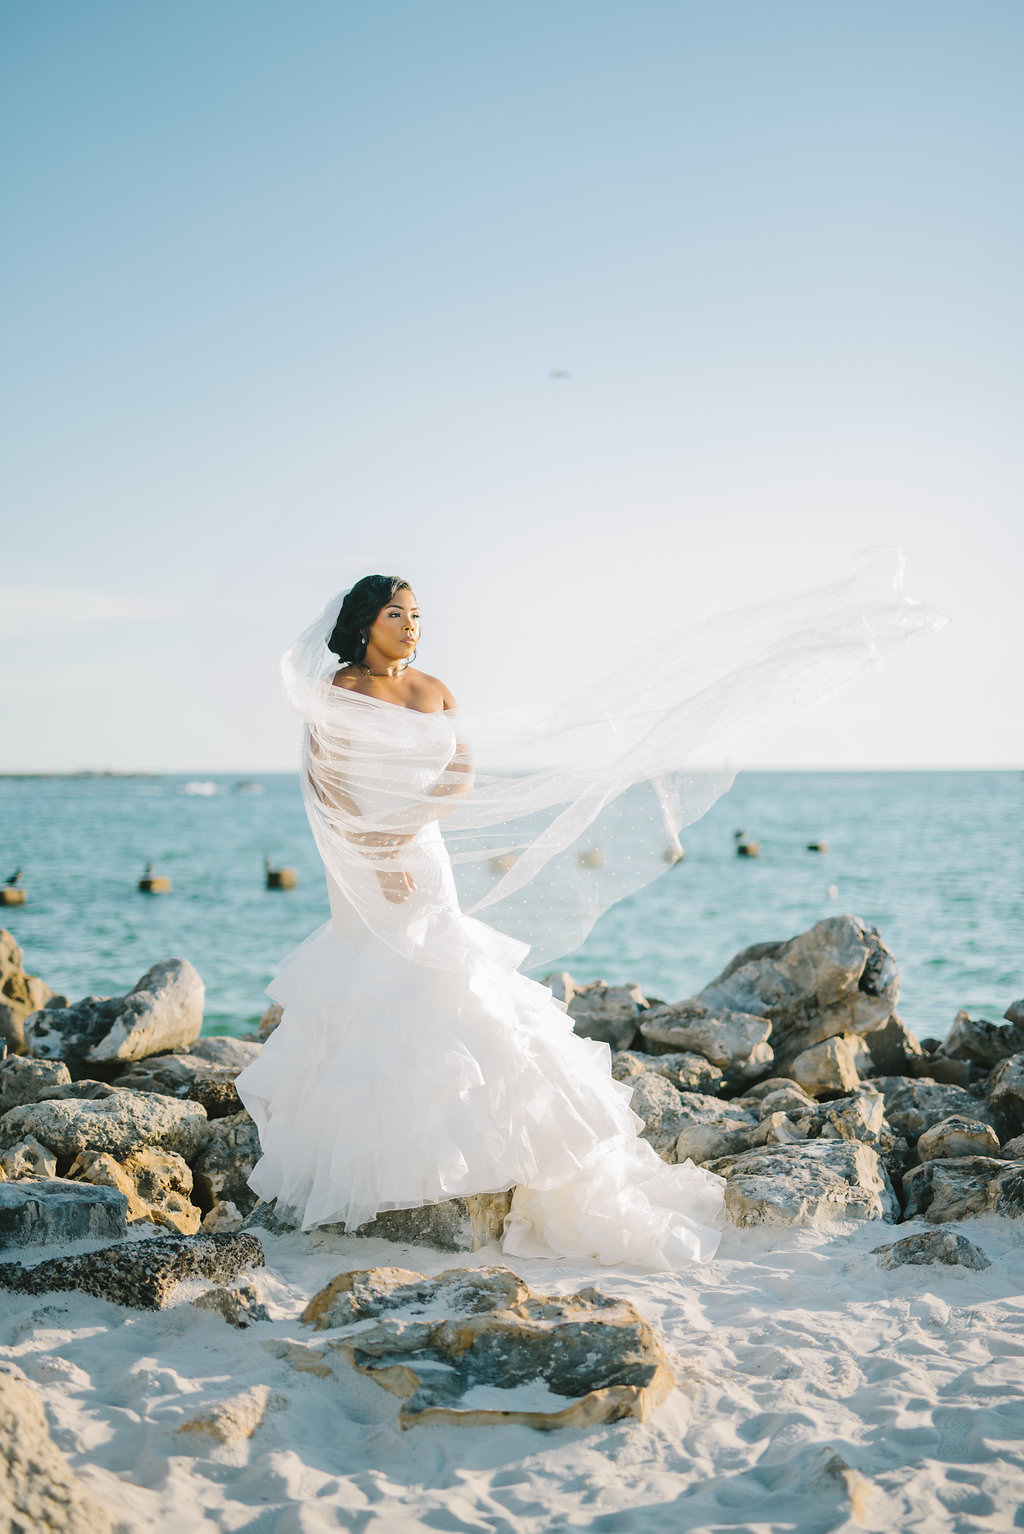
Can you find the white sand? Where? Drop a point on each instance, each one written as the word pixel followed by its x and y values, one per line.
pixel 816 1392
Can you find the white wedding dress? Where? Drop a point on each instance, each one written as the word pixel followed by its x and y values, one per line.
pixel 392 1082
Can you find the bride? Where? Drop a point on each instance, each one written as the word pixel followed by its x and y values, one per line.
pixel 413 1062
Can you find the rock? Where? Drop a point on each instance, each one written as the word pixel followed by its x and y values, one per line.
pixel 1013 1150
pixel 685 1071
pixel 1006 1096
pixel 240 1306
pixel 236 1419
pixel 913 1105
pixel 1015 1012
pixel 156 1184
pixel 951 1190
pixel 661 1108
pixel 456 1225
pixel 117 1124
pixel 813 1183
pixel 28 1159
pixel 161 1013
pixel 187 1076
pixel 222 1169
pixel 474 1347
pixel 46 1211
pixel 838 977
pixel 140 1274
pixel 957 1136
pixel 859 1117
pixel 933 1246
pixel 223 1217
pixel 984 1043
pixel 303 1359
pixel 1007 1193
pixel 784 1097
pixel 894 1049
pixel 712 1128
pixel 607 1013
pixel 83 1089
pixel 828 1067
pixel 26 1081
pixel 270 1020
pixel 21 994
pixel 735 1041
pixel 226 1053
pixel 39 1494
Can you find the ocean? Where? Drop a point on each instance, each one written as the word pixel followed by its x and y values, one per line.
pixel 933 859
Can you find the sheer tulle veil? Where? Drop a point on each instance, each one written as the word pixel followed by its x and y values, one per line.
pixel 574 805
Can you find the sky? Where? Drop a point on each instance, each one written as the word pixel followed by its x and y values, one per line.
pixel 290 290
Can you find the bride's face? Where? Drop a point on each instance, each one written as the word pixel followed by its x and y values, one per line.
pixel 396 628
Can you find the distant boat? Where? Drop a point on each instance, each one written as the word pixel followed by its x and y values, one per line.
pixel 245 787
pixel 199 787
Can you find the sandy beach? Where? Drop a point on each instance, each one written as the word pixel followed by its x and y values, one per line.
pixel 816 1391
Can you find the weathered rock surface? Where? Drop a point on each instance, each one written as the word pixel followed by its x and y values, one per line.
pixel 21 994
pixel 608 1013
pixel 270 1020
pixel 838 977
pixel 28 1159
pixel 117 1124
pixel 240 1306
pixel 1008 1193
pixel 957 1136
pixel 685 1071
pixel 189 1076
pixel 161 1013
pixel 44 1211
pixel 939 1191
pixel 457 1348
pixel 913 1105
pixel 828 1067
pixel 156 1184
pixel 1013 1150
pixel 662 1109
pixel 710 1128
pixel 223 1217
pixel 1015 1012
pixel 1006 1096
pixel 812 1183
pixel 894 1049
pixel 23 1080
pixel 457 1225
pixel 933 1246
pixel 237 1418
pixel 39 1493
pixel 140 1274
pixel 222 1168
pixel 984 1043
pixel 226 1053
pixel 734 1040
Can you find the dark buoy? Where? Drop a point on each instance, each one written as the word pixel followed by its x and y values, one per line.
pixel 154 884
pixel 817 846
pixel 592 857
pixel 748 849
pixel 280 878
pixel 11 893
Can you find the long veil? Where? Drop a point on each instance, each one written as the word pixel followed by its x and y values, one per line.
pixel 577 805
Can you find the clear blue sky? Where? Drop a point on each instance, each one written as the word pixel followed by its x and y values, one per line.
pixel 285 285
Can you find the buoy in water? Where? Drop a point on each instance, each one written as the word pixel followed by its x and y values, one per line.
pixel 154 884
pixel 817 846
pixel 502 862
pixel 593 857
pixel 11 893
pixel 748 849
pixel 280 878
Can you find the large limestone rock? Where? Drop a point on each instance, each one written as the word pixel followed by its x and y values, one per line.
pixel 981 1042
pixel 813 1183
pixel 140 1274
pixel 932 1246
pixel 21 994
pixel 190 1076
pixel 939 1191
pixel 957 1136
pixel 662 1109
pixel 474 1347
pixel 894 1049
pixel 685 1071
pixel 39 1494
pixel 161 1013
pixel 913 1105
pixel 838 977
pixel 45 1211
pixel 240 1306
pixel 608 1013
pixel 26 1081
pixel 28 1159
pixel 734 1040
pixel 712 1128
pixel 156 1184
pixel 1006 1096
pixel 222 1169
pixel 225 1053
pixel 117 1124
pixel 455 1225
pixel 828 1067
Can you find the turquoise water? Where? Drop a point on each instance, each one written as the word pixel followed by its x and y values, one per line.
pixel 934 859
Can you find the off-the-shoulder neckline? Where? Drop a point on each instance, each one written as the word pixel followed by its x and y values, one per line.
pixel 367 697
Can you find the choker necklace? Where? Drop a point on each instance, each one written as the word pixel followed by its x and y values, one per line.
pixel 379 675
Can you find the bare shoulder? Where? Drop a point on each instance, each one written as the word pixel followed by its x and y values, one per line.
pixel 348 677
pixel 435 688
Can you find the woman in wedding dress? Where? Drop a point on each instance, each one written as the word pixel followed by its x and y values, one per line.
pixel 414 1062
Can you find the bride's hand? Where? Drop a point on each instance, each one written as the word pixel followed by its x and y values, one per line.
pixel 396 884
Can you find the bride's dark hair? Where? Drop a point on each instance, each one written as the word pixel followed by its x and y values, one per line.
pixel 359 612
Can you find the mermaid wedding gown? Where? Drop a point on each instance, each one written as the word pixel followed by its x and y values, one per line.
pixel 394 1081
